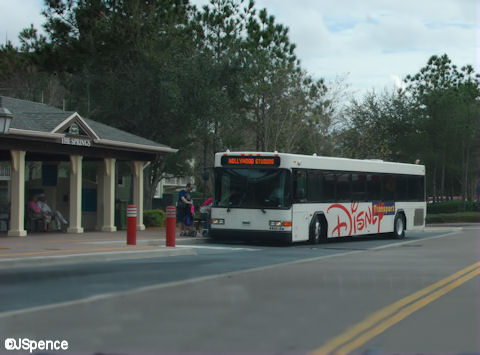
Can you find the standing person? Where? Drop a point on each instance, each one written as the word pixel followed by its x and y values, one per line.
pixel 59 219
pixel 184 205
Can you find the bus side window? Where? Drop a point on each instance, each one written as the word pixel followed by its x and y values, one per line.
pixel 314 186
pixel 359 192
pixel 300 185
pixel 415 188
pixel 343 187
pixel 374 187
pixel 401 191
pixel 389 185
pixel 328 191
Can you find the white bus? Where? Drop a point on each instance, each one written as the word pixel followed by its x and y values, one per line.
pixel 298 198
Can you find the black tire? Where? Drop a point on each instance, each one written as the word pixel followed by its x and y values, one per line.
pixel 318 230
pixel 399 226
pixel 315 229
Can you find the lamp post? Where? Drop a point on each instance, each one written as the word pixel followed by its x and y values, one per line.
pixel 5 118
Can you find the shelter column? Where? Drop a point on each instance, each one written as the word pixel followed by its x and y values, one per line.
pixel 108 224
pixel 137 167
pixel 17 198
pixel 75 194
pixel 100 193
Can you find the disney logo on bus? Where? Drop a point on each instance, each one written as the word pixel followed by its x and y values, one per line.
pixel 353 220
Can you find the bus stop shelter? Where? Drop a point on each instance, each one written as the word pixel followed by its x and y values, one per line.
pixel 45 149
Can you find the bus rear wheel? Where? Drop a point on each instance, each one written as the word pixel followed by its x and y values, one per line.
pixel 399 226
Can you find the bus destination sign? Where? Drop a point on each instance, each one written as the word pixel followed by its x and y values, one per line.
pixel 265 161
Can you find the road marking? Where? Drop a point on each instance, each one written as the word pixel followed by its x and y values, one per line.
pixel 212 247
pixel 109 295
pixel 105 296
pixel 383 319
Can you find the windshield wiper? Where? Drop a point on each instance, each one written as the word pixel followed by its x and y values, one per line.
pixel 261 209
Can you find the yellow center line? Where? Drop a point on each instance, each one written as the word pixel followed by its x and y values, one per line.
pixel 385 312
pixel 404 313
pixel 76 251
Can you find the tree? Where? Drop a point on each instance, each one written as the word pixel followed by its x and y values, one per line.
pixel 129 65
pixel 225 76
pixel 271 72
pixel 379 126
pixel 447 100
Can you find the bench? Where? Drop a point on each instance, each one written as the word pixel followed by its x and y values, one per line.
pixel 33 223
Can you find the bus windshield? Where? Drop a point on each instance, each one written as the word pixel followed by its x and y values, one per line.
pixel 253 188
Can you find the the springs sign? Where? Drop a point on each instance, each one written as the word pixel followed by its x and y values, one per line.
pixel 82 142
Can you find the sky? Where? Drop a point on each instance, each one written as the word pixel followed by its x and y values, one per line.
pixel 372 44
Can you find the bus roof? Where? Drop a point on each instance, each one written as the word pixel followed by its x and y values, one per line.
pixel 299 161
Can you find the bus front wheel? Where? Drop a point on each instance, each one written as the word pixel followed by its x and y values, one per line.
pixel 399 226
pixel 317 230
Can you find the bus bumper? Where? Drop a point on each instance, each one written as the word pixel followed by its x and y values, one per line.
pixel 251 235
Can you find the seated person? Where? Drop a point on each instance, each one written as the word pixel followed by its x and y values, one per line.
pixel 34 211
pixel 45 208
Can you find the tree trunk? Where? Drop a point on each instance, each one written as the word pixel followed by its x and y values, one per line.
pixel 465 181
pixel 442 181
pixel 151 177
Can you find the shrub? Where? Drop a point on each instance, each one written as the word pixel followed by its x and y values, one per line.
pixel 453 207
pixel 154 218
pixel 459 217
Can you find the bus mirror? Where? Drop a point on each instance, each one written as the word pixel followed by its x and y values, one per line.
pixel 300 194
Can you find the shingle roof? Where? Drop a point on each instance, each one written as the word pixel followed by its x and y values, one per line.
pixel 34 116
pixel 115 134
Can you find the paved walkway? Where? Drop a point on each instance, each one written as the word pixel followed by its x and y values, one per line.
pixel 47 248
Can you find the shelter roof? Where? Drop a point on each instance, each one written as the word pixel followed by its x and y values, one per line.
pixel 37 119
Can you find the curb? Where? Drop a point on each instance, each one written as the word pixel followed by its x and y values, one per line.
pixel 92 257
pixel 442 229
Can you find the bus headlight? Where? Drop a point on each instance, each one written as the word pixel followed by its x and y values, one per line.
pixel 275 223
pixel 280 223
pixel 217 221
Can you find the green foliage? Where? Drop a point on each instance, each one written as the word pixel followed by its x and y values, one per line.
pixel 459 217
pixel 435 121
pixel 154 218
pixel 380 127
pixel 226 76
pixel 453 207
pixel 448 112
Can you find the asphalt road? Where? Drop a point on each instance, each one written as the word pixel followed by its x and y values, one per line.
pixel 260 298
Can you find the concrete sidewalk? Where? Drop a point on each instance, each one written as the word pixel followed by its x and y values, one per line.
pixel 54 248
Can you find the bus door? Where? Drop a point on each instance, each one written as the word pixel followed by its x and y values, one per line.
pixel 300 208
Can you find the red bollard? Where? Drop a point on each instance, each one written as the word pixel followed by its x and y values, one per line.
pixel 171 219
pixel 131 224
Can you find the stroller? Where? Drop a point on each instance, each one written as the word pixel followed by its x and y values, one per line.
pixel 202 222
pixel 205 210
